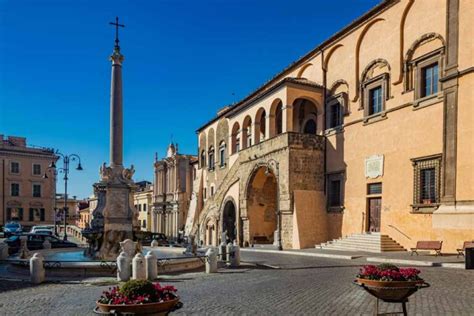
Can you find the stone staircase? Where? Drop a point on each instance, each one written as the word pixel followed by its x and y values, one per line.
pixel 213 202
pixel 367 242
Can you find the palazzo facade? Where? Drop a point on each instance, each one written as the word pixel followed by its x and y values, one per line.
pixel 371 131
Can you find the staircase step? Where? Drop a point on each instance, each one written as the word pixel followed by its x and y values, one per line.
pixel 368 242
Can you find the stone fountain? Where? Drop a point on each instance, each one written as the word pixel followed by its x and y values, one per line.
pixel 115 217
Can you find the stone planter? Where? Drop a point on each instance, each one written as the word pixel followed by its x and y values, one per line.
pixel 161 308
pixel 390 291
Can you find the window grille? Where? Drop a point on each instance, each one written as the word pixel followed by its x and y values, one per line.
pixel 427 181
pixel 374 188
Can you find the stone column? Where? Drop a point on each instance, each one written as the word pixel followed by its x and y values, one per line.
pixel 116 115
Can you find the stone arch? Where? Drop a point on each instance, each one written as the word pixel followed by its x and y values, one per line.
pixel 276 118
pixel 260 125
pixel 302 70
pixel 337 84
pixel 402 39
pixel 357 53
pixel 211 138
pixel 235 135
pixel 210 231
pixel 425 38
pixel 229 218
pixel 247 132
pixel 305 116
pixel 329 54
pixel 261 203
pixel 379 62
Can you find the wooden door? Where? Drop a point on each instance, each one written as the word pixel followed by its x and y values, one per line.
pixel 375 207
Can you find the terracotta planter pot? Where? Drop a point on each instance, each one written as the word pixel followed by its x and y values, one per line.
pixel 140 309
pixel 390 290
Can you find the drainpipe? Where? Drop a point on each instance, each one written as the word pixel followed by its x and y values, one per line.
pixel 324 118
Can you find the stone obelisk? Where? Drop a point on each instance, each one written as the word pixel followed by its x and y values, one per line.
pixel 115 216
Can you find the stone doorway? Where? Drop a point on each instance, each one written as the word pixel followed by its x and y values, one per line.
pixel 229 221
pixel 262 206
pixel 375 207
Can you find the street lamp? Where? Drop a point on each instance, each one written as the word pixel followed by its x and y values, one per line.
pixel 273 163
pixel 65 171
pixel 55 209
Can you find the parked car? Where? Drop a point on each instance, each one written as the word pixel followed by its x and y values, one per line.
pixel 34 229
pixel 160 237
pixel 12 228
pixel 44 232
pixel 35 242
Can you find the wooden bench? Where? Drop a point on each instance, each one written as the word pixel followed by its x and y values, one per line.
pixel 467 244
pixel 428 245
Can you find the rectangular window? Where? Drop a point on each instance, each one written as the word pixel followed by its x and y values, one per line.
pixel 205 193
pixel 32 215
pixel 144 207
pixel 374 188
pixel 375 100
pixel 335 193
pixel 15 167
pixel 42 217
pixel 212 191
pixel 36 169
pixel 426 181
pixel 15 189
pixel 139 207
pixel 36 190
pixel 335 115
pixel 429 80
pixel 222 157
pixel 15 214
pixel 144 223
pixel 428 186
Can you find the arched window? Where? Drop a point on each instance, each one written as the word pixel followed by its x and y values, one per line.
pixel 247 132
pixel 305 116
pixel 211 158
pixel 222 147
pixel 260 125
pixel 235 138
pixel 203 158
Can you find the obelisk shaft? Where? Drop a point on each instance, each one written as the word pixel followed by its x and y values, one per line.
pixel 116 113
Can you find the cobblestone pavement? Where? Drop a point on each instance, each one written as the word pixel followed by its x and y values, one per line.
pixel 301 286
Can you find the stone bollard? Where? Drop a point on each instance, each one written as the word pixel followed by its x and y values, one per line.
pixel 37 271
pixel 124 268
pixel 138 267
pixel 235 258
pixel 3 251
pixel 222 251
pixel 211 260
pixel 229 252
pixel 151 266
pixel 154 243
pixel 46 244
pixel 24 252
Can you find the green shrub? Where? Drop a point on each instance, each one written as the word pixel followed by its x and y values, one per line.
pixel 134 288
pixel 387 266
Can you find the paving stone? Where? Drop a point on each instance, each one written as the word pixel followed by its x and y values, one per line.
pixel 302 286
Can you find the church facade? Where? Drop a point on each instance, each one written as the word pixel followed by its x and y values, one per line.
pixel 171 192
pixel 371 131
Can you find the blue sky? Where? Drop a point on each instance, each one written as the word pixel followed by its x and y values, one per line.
pixel 183 61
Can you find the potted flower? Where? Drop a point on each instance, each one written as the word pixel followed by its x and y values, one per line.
pixel 389 282
pixel 138 297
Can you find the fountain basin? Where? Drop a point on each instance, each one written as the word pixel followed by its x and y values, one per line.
pixel 74 263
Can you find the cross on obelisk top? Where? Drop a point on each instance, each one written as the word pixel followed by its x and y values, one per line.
pixel 117 25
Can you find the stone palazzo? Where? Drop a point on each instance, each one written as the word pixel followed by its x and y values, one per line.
pixel 370 132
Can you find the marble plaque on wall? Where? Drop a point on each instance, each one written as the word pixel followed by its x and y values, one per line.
pixel 374 166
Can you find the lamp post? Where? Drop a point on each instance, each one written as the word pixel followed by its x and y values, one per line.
pixel 65 170
pixel 273 163
pixel 54 172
